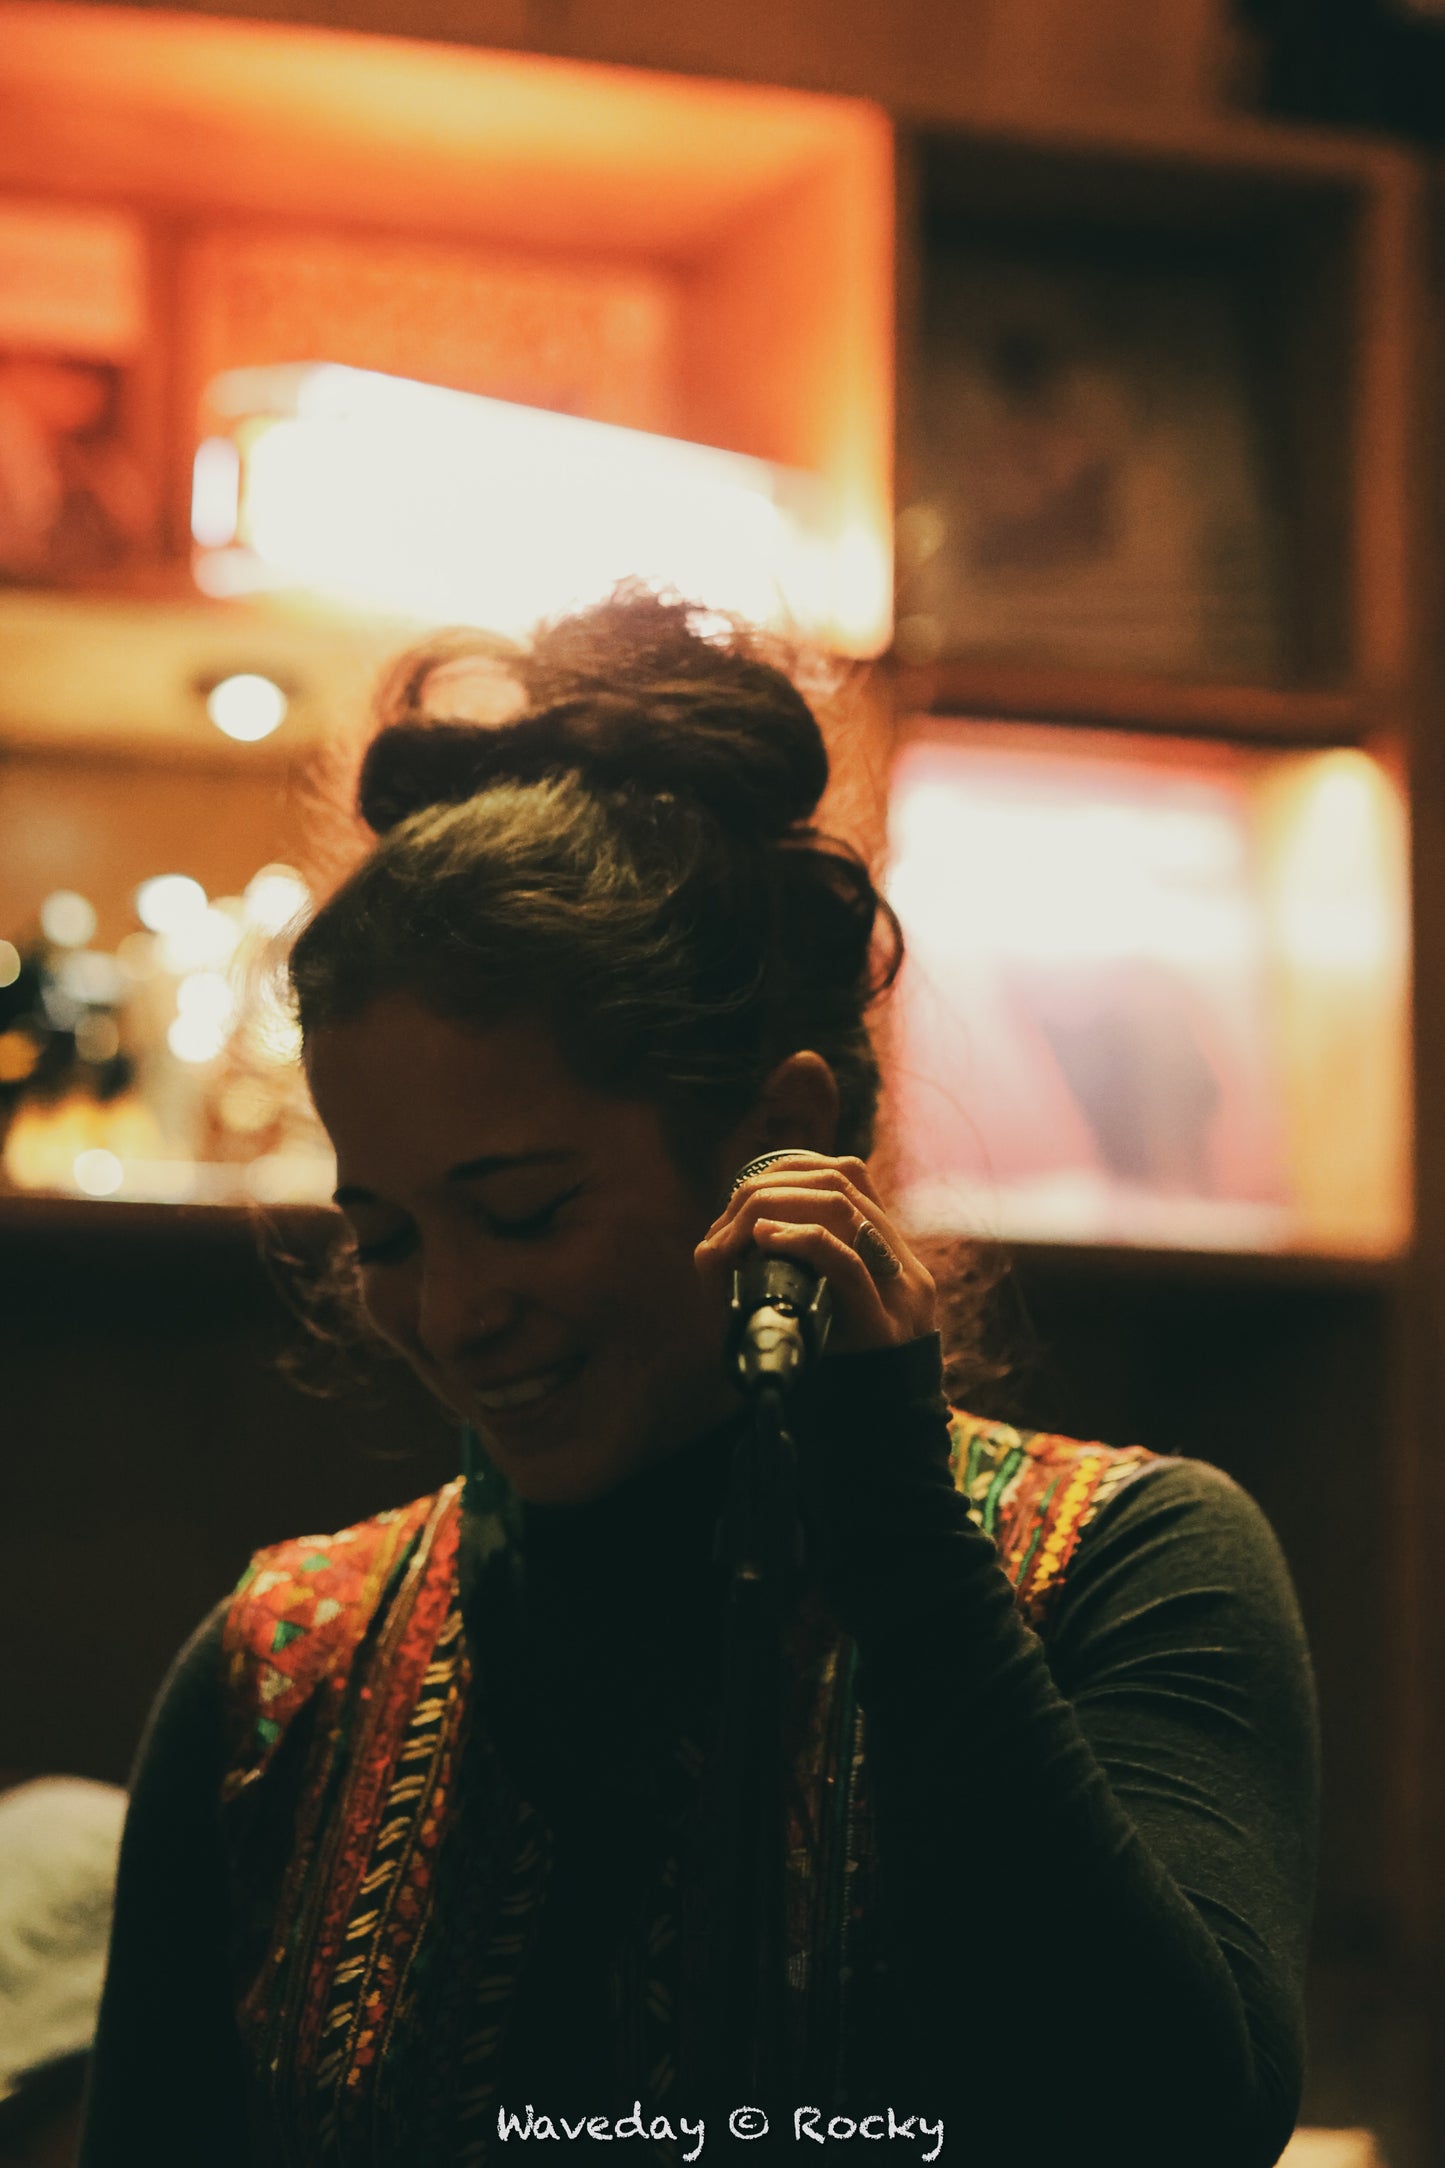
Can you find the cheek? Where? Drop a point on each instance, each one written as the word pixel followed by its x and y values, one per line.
pixel 389 1309
pixel 668 1311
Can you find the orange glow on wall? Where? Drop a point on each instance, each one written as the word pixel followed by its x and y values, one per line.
pixel 697 259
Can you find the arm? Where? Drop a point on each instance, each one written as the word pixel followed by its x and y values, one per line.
pixel 1096 1861
pixel 166 2079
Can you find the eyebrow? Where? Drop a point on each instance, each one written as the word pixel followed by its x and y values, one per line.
pixel 469 1170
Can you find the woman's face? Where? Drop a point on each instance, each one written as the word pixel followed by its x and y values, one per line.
pixel 525 1243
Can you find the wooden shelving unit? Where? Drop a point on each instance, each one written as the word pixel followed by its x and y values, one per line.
pixel 1313 1380
pixel 1031 692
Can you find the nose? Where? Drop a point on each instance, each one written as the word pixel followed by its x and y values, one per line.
pixel 463 1298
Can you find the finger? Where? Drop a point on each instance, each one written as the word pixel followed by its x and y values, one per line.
pixel 771 1210
pixel 856 1293
pixel 808 1172
pixel 831 1207
pixel 838 1207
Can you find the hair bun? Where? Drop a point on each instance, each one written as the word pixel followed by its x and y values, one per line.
pixel 415 764
pixel 628 695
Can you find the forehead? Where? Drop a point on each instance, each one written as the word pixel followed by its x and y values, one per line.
pixel 406 1094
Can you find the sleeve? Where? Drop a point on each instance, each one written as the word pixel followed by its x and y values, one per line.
pixel 166 2082
pixel 1096 1859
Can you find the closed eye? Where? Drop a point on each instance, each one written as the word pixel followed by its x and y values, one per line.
pixel 394 1249
pixel 389 1251
pixel 536 1223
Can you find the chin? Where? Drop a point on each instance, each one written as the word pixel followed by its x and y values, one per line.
pixel 561 1475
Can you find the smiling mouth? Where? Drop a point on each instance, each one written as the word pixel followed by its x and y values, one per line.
pixel 527 1392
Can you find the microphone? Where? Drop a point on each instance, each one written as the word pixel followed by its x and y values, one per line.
pixel 779 1314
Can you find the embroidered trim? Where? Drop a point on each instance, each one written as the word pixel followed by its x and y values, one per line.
pixel 299 1611
pixel 1035 1493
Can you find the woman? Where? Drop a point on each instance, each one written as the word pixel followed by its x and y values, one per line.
pixel 423 1838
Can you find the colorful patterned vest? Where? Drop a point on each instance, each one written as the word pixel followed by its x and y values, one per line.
pixel 347 1653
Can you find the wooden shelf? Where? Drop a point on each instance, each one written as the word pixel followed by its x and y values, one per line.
pixel 114 673
pixel 987 690
pixel 1241 1269
pixel 1311 239
pixel 26 1217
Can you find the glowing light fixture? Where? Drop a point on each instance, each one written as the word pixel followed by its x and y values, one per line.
pixel 215 492
pixel 9 963
pixel 247 707
pixel 1188 1027
pixel 449 508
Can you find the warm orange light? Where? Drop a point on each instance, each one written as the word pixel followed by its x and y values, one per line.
pixel 1155 995
pixel 403 497
pixel 744 233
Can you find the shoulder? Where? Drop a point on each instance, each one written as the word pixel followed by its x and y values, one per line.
pixel 1185 1559
pixel 1035 1493
pixel 298 1614
pixel 1192 1527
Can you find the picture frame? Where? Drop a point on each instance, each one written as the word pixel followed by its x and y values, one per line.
pixel 1096 481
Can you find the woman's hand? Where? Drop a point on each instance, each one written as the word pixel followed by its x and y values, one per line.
pixel 826 1214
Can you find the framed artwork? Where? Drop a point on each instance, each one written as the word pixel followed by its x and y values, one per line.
pixel 75 497
pixel 1095 480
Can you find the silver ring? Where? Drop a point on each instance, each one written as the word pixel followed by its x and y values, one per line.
pixel 875 1253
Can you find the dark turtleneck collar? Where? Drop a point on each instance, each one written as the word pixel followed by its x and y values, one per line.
pixel 651 1537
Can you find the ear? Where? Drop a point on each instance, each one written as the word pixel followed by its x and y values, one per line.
pixel 796 1110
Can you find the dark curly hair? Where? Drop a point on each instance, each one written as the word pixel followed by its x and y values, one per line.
pixel 630 857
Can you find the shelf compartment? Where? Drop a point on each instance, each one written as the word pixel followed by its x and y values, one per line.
pixel 1157 992
pixel 1154 417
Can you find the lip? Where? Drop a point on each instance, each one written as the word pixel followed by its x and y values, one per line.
pixel 566 1373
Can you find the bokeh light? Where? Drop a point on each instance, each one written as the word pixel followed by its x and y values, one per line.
pixel 247 707
pixel 97 1038
pixel 89 976
pixel 169 901
pixel 275 896
pixel 196 1039
pixel 67 919
pixel 202 943
pixel 98 1172
pixel 204 997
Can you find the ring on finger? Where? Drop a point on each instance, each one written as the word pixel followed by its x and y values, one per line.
pixel 875 1253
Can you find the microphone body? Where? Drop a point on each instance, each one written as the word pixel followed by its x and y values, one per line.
pixel 779 1314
